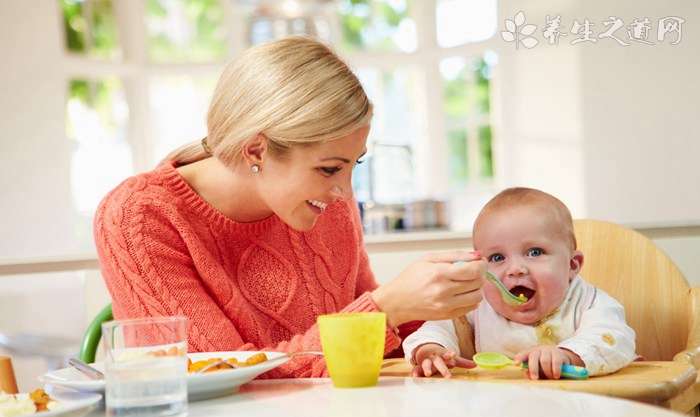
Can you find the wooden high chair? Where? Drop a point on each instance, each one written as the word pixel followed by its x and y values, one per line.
pixel 659 304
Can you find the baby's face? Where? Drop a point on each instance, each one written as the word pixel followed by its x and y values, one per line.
pixel 526 249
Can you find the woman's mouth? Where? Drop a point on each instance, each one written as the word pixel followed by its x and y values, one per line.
pixel 317 206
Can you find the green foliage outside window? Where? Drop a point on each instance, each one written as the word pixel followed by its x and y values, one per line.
pixel 370 24
pixel 485 152
pixel 203 40
pixel 458 155
pixel 90 27
pixel 466 95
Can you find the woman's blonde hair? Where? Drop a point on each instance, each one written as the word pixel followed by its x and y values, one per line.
pixel 295 91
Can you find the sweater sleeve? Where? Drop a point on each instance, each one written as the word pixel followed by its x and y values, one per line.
pixel 603 340
pixel 140 253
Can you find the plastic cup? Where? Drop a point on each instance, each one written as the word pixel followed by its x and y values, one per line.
pixel 353 345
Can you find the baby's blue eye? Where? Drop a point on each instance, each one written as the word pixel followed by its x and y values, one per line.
pixel 534 252
pixel 496 257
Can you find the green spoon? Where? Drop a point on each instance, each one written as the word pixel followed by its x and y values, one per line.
pixel 507 296
pixel 494 360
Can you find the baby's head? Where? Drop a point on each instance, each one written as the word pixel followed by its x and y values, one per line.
pixel 527 237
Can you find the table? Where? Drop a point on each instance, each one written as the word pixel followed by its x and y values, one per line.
pixel 670 384
pixel 409 397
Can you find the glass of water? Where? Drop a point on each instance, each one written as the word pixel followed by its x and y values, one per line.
pixel 146 366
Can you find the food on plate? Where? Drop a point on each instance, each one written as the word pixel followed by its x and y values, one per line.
pixel 12 405
pixel 172 351
pixel 230 363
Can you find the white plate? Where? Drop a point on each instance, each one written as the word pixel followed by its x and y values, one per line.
pixel 199 386
pixel 71 403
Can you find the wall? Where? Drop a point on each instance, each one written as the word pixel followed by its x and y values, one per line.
pixel 611 130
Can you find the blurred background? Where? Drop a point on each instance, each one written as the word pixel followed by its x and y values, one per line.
pixel 591 101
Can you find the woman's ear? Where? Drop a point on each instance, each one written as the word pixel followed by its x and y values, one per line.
pixel 254 150
pixel 575 264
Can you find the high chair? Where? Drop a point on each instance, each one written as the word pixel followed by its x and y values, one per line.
pixel 659 304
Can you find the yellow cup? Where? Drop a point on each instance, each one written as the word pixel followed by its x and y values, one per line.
pixel 353 344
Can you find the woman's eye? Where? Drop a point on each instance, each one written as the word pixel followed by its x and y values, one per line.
pixel 496 257
pixel 359 161
pixel 329 171
pixel 534 252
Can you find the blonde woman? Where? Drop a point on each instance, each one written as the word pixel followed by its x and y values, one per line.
pixel 253 232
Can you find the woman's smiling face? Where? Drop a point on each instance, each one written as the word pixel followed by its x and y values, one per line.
pixel 527 250
pixel 300 185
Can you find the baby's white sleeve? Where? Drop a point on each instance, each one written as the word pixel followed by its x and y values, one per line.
pixel 603 339
pixel 441 332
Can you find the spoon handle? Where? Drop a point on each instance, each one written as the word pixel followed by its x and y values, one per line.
pixel 86 369
pixel 569 371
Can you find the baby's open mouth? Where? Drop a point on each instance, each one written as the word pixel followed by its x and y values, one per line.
pixel 527 292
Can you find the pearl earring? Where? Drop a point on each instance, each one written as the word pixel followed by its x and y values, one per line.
pixel 255 168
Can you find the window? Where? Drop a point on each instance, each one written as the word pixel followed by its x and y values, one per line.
pixel 185 30
pixel 97 117
pixel 467 103
pixel 90 28
pixel 377 25
pixel 459 21
pixel 133 102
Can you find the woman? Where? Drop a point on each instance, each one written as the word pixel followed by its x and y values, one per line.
pixel 253 232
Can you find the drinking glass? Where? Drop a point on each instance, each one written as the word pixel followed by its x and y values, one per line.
pixel 146 367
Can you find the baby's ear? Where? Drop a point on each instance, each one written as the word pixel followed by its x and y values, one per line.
pixel 575 264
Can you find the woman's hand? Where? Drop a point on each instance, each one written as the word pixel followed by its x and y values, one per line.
pixel 433 288
pixel 431 358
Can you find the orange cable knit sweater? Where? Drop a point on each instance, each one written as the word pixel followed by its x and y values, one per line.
pixel 165 251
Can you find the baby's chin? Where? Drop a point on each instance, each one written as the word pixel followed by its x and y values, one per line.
pixel 525 314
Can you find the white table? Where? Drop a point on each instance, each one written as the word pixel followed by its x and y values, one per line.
pixel 407 397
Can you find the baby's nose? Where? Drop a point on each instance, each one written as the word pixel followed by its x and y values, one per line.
pixel 516 269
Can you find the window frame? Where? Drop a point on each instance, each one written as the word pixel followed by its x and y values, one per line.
pixel 135 70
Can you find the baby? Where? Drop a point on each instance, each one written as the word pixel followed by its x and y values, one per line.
pixel 527 237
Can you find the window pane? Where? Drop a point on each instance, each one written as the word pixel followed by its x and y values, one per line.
pixel 466 86
pixel 90 28
pixel 379 25
pixel 185 30
pixel 466 95
pixel 455 92
pixel 458 156
pixel 388 175
pixel 178 107
pixel 97 121
pixel 463 21
pixel 485 154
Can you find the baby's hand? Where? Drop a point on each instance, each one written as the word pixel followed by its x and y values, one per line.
pixel 548 360
pixel 432 357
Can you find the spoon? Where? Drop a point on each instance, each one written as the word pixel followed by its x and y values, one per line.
pixel 86 369
pixel 494 360
pixel 507 296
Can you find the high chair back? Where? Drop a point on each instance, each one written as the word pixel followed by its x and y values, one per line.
pixel 659 304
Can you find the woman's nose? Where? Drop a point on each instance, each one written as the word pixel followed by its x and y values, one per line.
pixel 342 191
pixel 337 193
